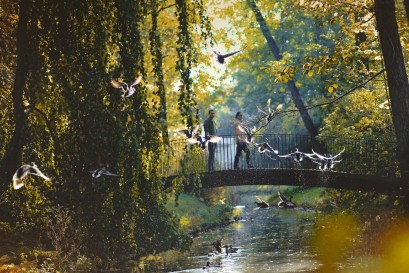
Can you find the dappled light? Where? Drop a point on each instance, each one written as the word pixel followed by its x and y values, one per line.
pixel 204 136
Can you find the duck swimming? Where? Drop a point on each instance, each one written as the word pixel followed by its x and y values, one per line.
pixel 284 201
pixel 262 204
pixel 218 245
pixel 230 249
pixel 286 204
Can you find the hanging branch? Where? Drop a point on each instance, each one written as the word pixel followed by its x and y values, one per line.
pixel 324 103
pixel 157 58
pixel 185 51
pixel 337 98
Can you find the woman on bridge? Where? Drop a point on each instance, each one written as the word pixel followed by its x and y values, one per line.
pixel 241 141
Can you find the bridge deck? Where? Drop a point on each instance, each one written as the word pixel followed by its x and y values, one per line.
pixel 365 165
pixel 299 177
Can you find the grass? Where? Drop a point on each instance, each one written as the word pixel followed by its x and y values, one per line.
pixel 194 214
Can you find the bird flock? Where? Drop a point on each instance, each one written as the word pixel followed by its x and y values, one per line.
pixel 193 137
pixel 32 169
pixel 324 162
pixel 127 91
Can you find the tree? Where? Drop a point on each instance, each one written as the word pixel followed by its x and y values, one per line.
pixel 290 83
pixel 13 153
pixel 397 79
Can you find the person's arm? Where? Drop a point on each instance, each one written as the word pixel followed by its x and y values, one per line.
pixel 206 127
pixel 241 129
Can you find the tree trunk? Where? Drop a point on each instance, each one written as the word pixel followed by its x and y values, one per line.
pixel 406 2
pixel 397 80
pixel 12 157
pixel 299 103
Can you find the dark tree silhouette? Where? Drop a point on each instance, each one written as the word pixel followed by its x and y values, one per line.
pixel 397 80
pixel 12 157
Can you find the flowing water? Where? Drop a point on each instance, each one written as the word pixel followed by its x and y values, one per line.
pixel 277 240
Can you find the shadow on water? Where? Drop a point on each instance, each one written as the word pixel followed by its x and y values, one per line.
pixel 276 241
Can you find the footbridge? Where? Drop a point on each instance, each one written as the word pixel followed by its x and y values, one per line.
pixel 366 165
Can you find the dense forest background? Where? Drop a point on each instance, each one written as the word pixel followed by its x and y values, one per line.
pixel 325 61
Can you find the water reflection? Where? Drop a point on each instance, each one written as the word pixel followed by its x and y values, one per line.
pixel 276 241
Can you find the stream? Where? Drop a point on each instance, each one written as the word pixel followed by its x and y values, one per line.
pixel 276 240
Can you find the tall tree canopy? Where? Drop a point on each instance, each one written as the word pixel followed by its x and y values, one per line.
pixel 70 120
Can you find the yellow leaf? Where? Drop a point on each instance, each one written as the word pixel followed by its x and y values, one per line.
pixel 330 89
pixel 335 85
pixel 310 73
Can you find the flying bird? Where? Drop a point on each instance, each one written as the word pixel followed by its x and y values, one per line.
pixel 191 133
pixel 265 147
pixel 297 155
pixel 128 90
pixel 25 170
pixel 326 162
pixel 222 57
pixel 250 133
pixel 203 141
pixel 102 171
pixel 270 114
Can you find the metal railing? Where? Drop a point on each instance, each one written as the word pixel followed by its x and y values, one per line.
pixel 361 156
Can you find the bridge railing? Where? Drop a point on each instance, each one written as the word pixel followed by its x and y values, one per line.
pixel 361 156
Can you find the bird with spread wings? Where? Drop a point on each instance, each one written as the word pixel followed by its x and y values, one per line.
pixel 127 90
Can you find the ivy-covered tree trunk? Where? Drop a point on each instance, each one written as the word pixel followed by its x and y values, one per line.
pixel 406 2
pixel 12 157
pixel 397 81
pixel 299 103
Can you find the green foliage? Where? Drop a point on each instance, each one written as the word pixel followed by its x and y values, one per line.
pixel 77 122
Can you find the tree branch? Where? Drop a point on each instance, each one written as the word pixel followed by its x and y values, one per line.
pixel 337 98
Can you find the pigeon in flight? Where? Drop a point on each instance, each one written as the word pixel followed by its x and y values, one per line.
pixel 191 133
pixel 265 147
pixel 326 162
pixel 250 133
pixel 269 115
pixel 297 155
pixel 25 170
pixel 204 140
pixel 126 89
pixel 222 57
pixel 102 171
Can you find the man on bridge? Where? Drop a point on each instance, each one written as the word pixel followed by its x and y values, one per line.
pixel 209 126
pixel 241 141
